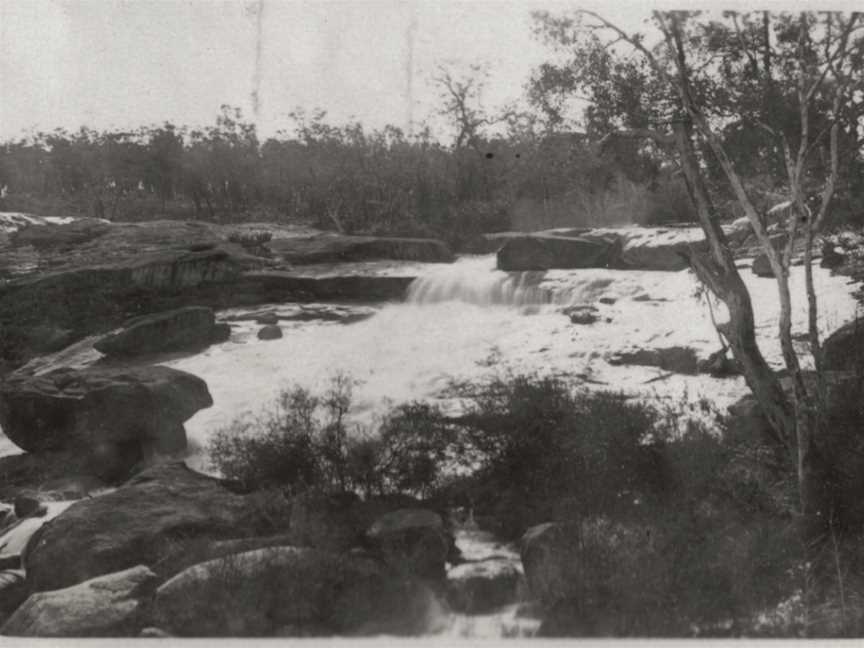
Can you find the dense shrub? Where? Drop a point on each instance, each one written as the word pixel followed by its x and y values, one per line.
pixel 303 441
pixel 548 451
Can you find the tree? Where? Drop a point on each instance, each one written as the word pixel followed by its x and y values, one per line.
pixel 696 82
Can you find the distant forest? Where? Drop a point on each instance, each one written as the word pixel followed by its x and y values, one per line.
pixel 350 179
pixel 342 178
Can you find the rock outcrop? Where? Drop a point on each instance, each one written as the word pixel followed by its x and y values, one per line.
pixel 677 359
pixel 544 251
pixel 335 248
pixel 189 328
pixel 483 586
pixel 54 235
pixel 270 332
pixel 53 475
pixel 551 560
pixel 291 591
pixel 150 519
pixel 117 416
pixel 411 541
pixel 843 350
pixel 107 606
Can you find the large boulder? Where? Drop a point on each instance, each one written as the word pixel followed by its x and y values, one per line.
pixel 270 332
pixel 189 328
pixel 844 349
pixel 761 265
pixel 279 286
pixel 677 359
pixel 117 415
pixel 53 476
pixel 54 235
pixel 659 249
pixel 412 541
pixel 483 586
pixel 551 561
pixel 545 251
pixel 107 606
pixel 291 591
pixel 336 248
pixel 148 521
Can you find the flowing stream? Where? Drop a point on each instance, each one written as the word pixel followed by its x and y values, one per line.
pixel 467 320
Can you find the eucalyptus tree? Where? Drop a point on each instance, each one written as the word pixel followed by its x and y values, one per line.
pixel 749 107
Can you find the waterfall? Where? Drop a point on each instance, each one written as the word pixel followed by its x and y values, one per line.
pixel 476 280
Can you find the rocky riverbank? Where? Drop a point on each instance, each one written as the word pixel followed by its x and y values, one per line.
pixel 104 533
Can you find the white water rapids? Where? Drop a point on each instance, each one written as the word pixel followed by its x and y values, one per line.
pixel 467 319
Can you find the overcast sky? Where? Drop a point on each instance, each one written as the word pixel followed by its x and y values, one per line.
pixel 113 63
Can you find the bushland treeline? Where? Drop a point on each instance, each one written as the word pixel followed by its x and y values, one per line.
pixel 345 178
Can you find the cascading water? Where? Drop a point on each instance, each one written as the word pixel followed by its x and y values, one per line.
pixel 477 281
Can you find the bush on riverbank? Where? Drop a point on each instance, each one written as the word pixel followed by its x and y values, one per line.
pixel 683 529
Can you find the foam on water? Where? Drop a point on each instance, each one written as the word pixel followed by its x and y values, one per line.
pixel 467 320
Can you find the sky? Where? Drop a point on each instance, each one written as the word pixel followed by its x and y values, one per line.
pixel 124 63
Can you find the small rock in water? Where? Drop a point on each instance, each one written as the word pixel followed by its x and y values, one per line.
pixel 271 332
pixel 581 314
pixel 270 319
pixel 29 507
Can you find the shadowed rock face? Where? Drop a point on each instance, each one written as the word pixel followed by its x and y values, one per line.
pixel 335 248
pixel 544 252
pixel 107 606
pixel 52 235
pixel 678 359
pixel 89 277
pixel 114 414
pixel 844 348
pixel 192 327
pixel 146 521
pixel 292 591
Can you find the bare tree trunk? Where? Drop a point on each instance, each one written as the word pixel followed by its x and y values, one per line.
pixel 718 272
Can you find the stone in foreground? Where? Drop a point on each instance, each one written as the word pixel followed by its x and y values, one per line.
pixel 118 416
pixel 148 521
pixel 291 591
pixel 107 606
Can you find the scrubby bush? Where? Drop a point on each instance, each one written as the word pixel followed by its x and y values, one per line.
pixel 548 451
pixel 304 441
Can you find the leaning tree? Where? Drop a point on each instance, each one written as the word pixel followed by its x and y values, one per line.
pixel 730 100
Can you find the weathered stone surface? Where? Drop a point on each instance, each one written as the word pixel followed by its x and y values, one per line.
pixel 844 348
pixel 412 541
pixel 544 252
pixel 111 412
pixel 677 359
pixel 54 475
pixel 106 606
pixel 719 364
pixel 550 559
pixel 482 586
pixel 333 248
pixel 832 256
pixel 658 249
pixel 143 522
pixel 51 235
pixel 276 286
pixel 192 327
pixel 581 314
pixel 290 591
pixel 761 265
pixel 270 332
